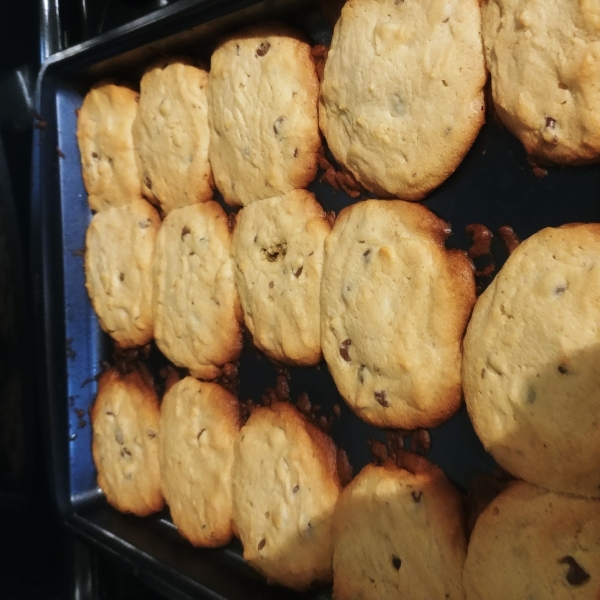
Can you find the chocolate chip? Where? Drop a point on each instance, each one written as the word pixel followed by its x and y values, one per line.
pixel 263 49
pixel 379 451
pixel 110 412
pixel 298 272
pixel 151 434
pixel 366 253
pixel 416 495
pixel 200 433
pixel 483 373
pixel 125 452
pixel 122 276
pixel 185 231
pixel 560 290
pixel 261 544
pixel 381 397
pixel 576 575
pixel 277 126
pixel 562 369
pixel 550 122
pixel 148 182
pixel 94 155
pixel 396 562
pixel 531 395
pixel 271 284
pixel 344 350
pixel 360 373
pixel 296 488
pixel 296 153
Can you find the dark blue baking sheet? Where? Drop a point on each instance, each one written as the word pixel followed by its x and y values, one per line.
pixel 494 186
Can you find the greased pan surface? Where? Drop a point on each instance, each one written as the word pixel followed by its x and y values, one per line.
pixel 493 186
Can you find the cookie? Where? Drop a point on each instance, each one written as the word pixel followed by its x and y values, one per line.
pixel 196 307
pixel 119 254
pixel 531 543
pixel 171 135
pixel 402 94
pixel 544 58
pixel 399 535
pixel 106 146
pixel 285 485
pixel 264 131
pixel 530 371
pixel 278 247
pixel 199 423
pixel 125 420
pixel 394 306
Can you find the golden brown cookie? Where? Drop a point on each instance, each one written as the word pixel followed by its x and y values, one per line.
pixel 278 247
pixel 530 372
pixel 125 421
pixel 106 146
pixel 198 426
pixel 399 535
pixel 531 543
pixel 196 307
pixel 171 134
pixel 394 306
pixel 402 93
pixel 285 486
pixel 263 95
pixel 544 58
pixel 119 255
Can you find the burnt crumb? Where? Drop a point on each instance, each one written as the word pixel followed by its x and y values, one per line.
pixel 319 56
pixel 337 411
pixel 562 369
pixel 421 441
pixel 298 272
pixel 509 237
pixel 60 153
pixel 396 562
pixel 261 51
pixel 71 354
pixel 344 350
pixel 185 231
pixel 303 404
pixel 416 495
pixel 261 544
pixel 379 451
pixel 576 574
pixel 78 253
pixel 381 398
pixel 330 217
pixel 482 240
pixel 231 221
pixel 282 388
pixel 344 468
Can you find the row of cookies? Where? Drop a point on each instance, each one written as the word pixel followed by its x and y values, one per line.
pixel 395 530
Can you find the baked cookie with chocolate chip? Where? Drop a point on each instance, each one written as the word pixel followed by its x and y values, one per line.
pixel 199 423
pixel 399 534
pixel 264 130
pixel 278 247
pixel 125 420
pixel 402 94
pixel 171 135
pixel 531 356
pixel 119 256
pixel 196 306
pixel 106 145
pixel 544 58
pixel 285 486
pixel 394 306
pixel 532 543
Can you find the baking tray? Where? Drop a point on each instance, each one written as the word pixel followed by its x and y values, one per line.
pixel 494 186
